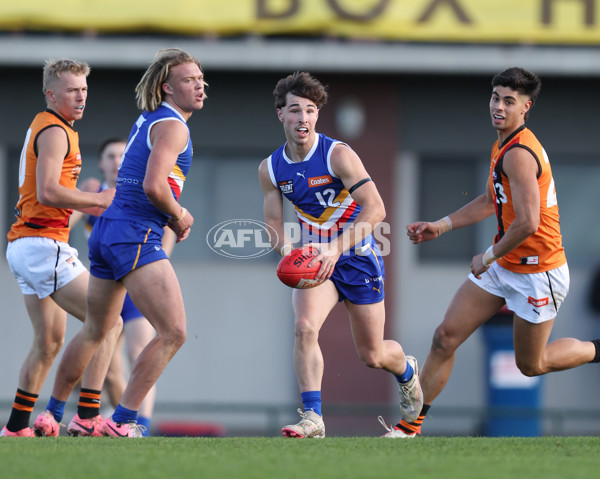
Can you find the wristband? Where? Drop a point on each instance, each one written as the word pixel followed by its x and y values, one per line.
pixel 181 215
pixel 285 249
pixel 488 257
pixel 444 225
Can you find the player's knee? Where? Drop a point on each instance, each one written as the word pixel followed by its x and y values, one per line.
pixel 117 327
pixel 371 359
pixel 94 331
pixel 442 342
pixel 529 369
pixel 48 350
pixel 176 336
pixel 111 377
pixel 181 337
pixel 304 331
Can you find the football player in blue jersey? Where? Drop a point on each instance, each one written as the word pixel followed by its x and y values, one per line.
pixel 338 206
pixel 126 253
pixel 137 331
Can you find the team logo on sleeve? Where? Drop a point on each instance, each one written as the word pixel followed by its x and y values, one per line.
pixel 319 181
pixel 286 186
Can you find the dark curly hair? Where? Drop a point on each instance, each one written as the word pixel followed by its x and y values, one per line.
pixel 301 84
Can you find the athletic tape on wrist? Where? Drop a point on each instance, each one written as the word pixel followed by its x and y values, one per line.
pixel 181 215
pixel 444 225
pixel 488 257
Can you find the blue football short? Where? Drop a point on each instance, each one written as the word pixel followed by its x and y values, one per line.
pixel 360 278
pixel 129 310
pixel 117 247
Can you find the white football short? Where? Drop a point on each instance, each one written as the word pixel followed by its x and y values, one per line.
pixel 43 265
pixel 535 297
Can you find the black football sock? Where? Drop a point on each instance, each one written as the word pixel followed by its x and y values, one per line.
pixel 89 403
pixel 21 410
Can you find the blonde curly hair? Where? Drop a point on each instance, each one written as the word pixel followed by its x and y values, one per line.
pixel 149 92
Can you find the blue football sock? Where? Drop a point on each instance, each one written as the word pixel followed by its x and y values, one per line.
pixel 145 421
pixel 406 375
pixel 123 415
pixel 312 401
pixel 57 408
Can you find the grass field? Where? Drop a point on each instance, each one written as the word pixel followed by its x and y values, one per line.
pixel 424 457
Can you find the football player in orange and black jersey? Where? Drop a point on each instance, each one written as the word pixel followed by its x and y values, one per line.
pixel 525 268
pixel 52 279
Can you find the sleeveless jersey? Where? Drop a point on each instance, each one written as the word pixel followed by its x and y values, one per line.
pixel 543 250
pixel 130 201
pixel 33 218
pixel 321 202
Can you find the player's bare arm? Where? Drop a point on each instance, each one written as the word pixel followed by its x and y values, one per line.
pixel 473 212
pixel 89 185
pixel 168 139
pixel 522 170
pixel 53 146
pixel 273 209
pixel 347 166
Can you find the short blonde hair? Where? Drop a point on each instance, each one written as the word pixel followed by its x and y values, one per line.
pixel 149 92
pixel 53 69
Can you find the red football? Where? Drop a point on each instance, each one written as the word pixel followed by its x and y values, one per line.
pixel 293 269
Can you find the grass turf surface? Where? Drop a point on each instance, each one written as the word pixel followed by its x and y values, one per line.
pixel 424 457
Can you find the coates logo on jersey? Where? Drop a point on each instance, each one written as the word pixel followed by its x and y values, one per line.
pixel 241 239
pixel 538 303
pixel 319 181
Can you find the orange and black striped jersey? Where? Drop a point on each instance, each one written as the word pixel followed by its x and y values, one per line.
pixel 33 218
pixel 543 250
